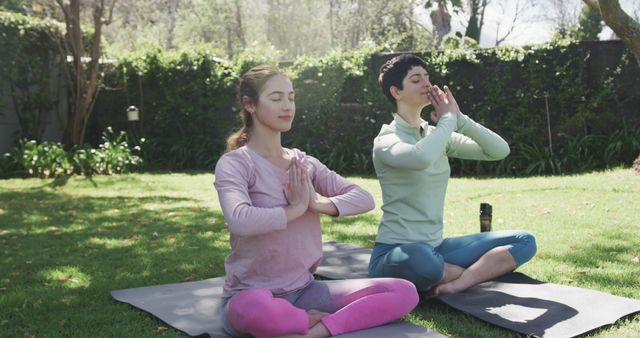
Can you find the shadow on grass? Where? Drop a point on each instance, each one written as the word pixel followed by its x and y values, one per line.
pixel 63 254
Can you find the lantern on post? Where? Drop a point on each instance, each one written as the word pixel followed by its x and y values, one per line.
pixel 133 114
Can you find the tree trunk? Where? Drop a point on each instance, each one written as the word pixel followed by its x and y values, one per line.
pixel 620 22
pixel 625 28
pixel 441 21
pixel 85 82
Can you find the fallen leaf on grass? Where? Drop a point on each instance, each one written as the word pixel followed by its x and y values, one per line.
pixel 546 211
pixel 62 280
pixel 29 335
pixel 161 328
pixel 190 277
pixel 65 301
pixel 581 273
pixel 636 259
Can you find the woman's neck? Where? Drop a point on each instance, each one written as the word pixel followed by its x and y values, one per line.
pixel 266 142
pixel 410 114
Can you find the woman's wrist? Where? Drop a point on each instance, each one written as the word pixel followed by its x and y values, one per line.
pixel 293 211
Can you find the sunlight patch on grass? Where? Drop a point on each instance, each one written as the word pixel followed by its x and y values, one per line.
pixel 111 243
pixel 67 276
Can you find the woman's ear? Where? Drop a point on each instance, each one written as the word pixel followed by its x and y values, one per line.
pixel 248 104
pixel 395 92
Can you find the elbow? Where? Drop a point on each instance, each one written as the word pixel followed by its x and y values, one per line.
pixel 239 221
pixel 238 227
pixel 503 152
pixel 368 202
pixel 498 153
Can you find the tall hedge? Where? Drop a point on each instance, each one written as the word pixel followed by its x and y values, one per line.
pixel 189 105
pixel 188 102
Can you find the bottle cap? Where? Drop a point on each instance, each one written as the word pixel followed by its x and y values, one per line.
pixel 486 208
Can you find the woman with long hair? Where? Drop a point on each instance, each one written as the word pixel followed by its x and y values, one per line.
pixel 268 197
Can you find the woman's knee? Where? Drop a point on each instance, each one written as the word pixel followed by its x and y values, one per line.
pixel 248 304
pixel 526 247
pixel 257 312
pixel 418 263
pixel 404 291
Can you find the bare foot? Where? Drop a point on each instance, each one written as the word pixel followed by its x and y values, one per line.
pixel 447 288
pixel 317 331
pixel 315 316
pixel 451 273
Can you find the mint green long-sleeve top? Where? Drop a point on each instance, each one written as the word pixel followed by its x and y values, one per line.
pixel 413 170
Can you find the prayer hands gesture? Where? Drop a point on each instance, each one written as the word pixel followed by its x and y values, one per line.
pixel 301 194
pixel 298 190
pixel 443 102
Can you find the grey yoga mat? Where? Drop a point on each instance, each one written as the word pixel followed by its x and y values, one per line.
pixel 194 308
pixel 515 301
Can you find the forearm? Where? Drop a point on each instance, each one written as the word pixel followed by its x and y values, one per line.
pixel 246 220
pixel 487 145
pixel 324 206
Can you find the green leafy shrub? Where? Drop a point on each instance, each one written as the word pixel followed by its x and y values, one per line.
pixel 113 156
pixel 49 159
pixel 46 159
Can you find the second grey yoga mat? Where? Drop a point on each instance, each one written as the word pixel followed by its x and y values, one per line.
pixel 195 307
pixel 515 301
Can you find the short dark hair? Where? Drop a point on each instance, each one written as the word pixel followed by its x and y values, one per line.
pixel 394 70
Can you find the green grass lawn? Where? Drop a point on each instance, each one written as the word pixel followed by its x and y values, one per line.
pixel 66 243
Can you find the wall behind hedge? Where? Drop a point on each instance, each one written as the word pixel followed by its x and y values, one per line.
pixel 33 98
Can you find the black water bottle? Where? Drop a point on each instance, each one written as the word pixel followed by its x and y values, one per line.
pixel 485 217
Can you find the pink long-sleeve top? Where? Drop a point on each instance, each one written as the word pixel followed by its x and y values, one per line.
pixel 266 251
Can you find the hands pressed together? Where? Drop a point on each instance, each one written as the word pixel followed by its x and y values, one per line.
pixel 299 190
pixel 443 102
pixel 301 194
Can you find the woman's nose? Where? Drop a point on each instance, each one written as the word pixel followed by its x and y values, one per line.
pixel 288 104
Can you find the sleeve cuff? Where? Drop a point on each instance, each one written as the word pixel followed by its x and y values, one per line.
pixel 463 123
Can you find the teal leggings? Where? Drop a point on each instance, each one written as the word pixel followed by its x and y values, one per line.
pixel 423 265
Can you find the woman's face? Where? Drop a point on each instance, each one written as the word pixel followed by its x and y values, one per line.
pixel 414 87
pixel 276 107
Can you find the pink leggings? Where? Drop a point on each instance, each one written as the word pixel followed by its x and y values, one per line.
pixel 354 304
